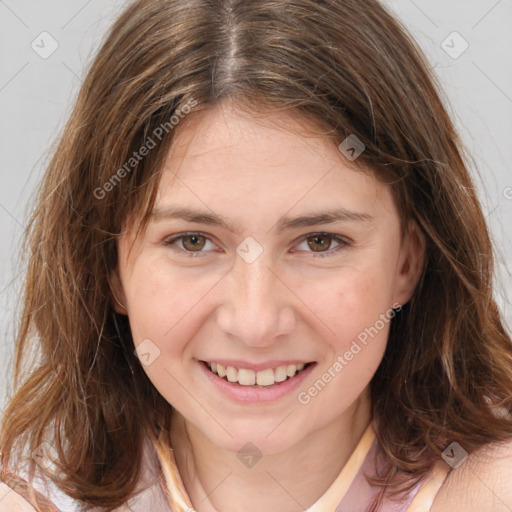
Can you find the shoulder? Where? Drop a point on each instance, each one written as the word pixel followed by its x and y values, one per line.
pixel 10 500
pixel 482 482
pixel 18 493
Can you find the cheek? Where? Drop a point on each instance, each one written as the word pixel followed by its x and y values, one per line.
pixel 356 307
pixel 163 305
pixel 149 305
pixel 352 299
pixel 159 299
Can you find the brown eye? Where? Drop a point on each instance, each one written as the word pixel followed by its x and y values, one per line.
pixel 193 242
pixel 323 245
pixel 319 243
pixel 190 244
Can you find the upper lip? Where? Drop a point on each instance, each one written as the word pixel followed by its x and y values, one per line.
pixel 237 363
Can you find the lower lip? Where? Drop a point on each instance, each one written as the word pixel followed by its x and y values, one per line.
pixel 245 394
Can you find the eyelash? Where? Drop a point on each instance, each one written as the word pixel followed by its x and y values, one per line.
pixel 343 243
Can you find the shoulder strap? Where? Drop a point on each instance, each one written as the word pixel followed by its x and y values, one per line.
pixel 332 498
pixel 171 482
pixel 24 495
pixel 422 502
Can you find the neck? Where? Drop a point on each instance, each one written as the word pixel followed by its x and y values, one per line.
pixel 289 481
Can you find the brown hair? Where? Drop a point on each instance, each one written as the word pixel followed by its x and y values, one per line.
pixel 347 66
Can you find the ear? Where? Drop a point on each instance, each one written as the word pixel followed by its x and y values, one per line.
pixel 410 263
pixel 116 291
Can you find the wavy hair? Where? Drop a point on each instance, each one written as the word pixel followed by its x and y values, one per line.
pixel 348 67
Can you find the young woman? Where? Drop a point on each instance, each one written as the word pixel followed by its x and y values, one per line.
pixel 259 278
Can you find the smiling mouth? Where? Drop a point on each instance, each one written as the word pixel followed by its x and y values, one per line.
pixel 256 379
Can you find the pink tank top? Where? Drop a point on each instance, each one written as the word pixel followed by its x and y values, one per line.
pixel 161 488
pixel 350 492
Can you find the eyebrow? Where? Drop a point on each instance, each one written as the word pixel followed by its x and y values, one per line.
pixel 284 223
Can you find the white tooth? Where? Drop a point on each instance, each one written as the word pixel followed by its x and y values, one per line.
pixel 291 369
pixel 265 377
pixel 213 366
pixel 300 367
pixel 221 370
pixel 280 374
pixel 246 377
pixel 232 374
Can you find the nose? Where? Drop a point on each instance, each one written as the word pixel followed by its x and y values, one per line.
pixel 257 307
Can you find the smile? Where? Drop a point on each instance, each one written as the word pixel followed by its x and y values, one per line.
pixel 261 378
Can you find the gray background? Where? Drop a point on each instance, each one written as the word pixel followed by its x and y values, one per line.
pixel 36 95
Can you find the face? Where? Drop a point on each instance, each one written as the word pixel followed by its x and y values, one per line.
pixel 265 250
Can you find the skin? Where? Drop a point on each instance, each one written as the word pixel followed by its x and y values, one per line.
pixel 290 303
pixel 481 482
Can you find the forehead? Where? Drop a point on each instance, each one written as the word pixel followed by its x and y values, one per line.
pixel 226 128
pixel 279 155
